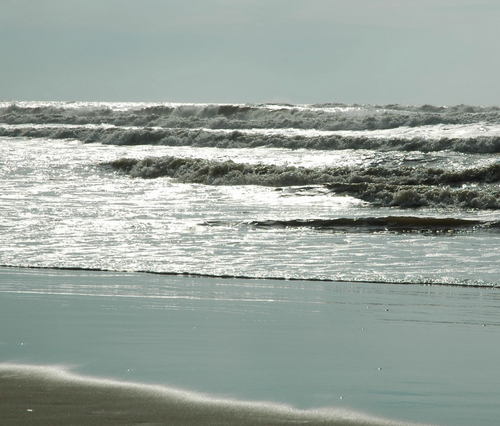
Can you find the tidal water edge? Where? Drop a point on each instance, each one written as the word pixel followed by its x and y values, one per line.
pixel 418 353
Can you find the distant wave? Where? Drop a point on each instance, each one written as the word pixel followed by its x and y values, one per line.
pixel 401 224
pixel 218 116
pixel 320 140
pixel 383 186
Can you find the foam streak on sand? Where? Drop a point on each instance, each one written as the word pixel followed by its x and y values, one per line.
pixel 53 395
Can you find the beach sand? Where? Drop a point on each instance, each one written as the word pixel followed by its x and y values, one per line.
pixel 30 397
pixel 365 352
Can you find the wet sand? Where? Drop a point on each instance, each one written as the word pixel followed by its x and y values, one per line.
pixel 368 352
pixel 32 397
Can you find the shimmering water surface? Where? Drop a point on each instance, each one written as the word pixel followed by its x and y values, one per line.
pixel 387 194
pixel 59 208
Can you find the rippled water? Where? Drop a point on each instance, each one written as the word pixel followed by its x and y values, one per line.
pixel 60 209
pixel 388 194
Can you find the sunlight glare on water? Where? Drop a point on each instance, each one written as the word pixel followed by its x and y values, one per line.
pixel 61 209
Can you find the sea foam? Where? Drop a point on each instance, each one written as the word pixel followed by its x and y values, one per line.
pixel 406 187
pixel 211 408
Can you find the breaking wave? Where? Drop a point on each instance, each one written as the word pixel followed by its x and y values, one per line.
pixel 197 170
pixel 208 172
pixel 407 187
pixel 220 116
pixel 250 138
pixel 414 196
pixel 398 224
pixel 360 279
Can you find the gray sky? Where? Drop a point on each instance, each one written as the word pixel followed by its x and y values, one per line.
pixel 365 51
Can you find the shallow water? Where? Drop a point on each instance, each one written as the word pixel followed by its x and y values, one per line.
pixel 418 353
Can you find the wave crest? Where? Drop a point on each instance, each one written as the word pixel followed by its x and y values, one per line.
pixel 400 224
pixel 324 117
pixel 406 187
pixel 245 139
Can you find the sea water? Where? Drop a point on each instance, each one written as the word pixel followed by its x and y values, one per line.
pixel 323 199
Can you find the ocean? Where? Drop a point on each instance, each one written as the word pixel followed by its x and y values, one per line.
pixel 334 257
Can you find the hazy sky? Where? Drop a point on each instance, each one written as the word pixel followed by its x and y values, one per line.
pixel 365 51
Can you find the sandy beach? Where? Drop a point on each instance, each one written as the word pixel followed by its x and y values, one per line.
pixel 97 348
pixel 38 396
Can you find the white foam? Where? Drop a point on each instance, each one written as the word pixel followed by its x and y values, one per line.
pixel 115 106
pixel 63 374
pixel 432 131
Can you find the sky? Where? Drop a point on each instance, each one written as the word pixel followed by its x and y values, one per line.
pixel 439 52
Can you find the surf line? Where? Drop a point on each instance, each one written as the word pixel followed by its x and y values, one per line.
pixel 249 277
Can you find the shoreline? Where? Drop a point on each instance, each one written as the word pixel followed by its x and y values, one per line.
pixel 486 285
pixel 53 396
pixel 332 351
